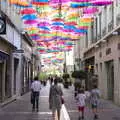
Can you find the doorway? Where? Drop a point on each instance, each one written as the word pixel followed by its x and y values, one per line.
pixel 16 61
pixel 1 79
pixel 110 79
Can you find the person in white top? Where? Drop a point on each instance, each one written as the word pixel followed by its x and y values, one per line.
pixel 35 88
pixel 81 97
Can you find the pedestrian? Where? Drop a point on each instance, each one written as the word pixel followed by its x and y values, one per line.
pixel 81 97
pixel 55 99
pixel 51 80
pixel 87 93
pixel 94 99
pixel 35 89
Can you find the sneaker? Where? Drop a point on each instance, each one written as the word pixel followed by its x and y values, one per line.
pixel 37 110
pixel 96 117
pixel 82 117
pixel 33 110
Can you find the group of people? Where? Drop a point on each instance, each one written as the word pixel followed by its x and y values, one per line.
pixel 56 98
pixel 84 98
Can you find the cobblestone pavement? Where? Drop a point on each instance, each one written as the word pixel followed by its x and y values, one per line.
pixel 21 108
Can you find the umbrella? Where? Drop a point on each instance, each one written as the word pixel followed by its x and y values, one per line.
pixel 30 22
pixel 29 17
pixel 28 11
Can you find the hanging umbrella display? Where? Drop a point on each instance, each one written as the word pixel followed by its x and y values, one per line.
pixel 90 10
pixel 27 11
pixel 30 22
pixel 29 17
pixel 101 2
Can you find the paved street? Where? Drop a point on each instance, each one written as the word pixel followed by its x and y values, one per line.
pixel 21 108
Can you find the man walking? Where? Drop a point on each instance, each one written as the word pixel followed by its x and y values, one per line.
pixel 35 87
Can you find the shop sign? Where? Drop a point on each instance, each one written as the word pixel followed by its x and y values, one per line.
pixel 2 25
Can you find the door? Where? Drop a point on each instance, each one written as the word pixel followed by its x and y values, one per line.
pixel 110 79
pixel 1 78
pixel 16 61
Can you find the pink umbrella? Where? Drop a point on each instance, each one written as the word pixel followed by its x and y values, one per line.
pixel 81 0
pixel 30 22
pixel 57 28
pixel 27 11
pixel 90 10
pixel 43 24
pixel 71 23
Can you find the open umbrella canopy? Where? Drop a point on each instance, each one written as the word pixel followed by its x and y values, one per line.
pixel 56 24
pixel 27 11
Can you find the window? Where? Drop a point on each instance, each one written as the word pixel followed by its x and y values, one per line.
pixel 108 51
pixel 92 33
pixel 86 43
pixel 100 23
pixel 101 67
pixel 96 67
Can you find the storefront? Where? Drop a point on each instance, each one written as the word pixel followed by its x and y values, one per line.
pixel 26 64
pixel 6 49
pixel 5 79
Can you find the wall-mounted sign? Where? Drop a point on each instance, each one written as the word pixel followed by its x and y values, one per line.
pixel 2 25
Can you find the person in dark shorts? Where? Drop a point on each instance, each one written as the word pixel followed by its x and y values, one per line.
pixel 94 99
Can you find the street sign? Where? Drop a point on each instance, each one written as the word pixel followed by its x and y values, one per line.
pixel 2 25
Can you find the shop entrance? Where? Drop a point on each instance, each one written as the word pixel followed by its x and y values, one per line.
pixel 1 79
pixel 16 61
pixel 110 79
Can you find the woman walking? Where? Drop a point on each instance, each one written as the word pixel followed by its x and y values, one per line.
pixel 55 102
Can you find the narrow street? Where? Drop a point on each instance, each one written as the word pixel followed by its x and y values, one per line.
pixel 21 108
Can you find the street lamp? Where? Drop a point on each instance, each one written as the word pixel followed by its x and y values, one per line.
pixel 65 67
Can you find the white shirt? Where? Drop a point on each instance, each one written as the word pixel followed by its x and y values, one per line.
pixel 81 99
pixel 87 93
pixel 36 86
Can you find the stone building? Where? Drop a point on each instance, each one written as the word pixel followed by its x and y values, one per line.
pixel 100 50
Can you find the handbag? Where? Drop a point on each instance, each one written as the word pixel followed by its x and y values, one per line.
pixel 62 100
pixel 31 98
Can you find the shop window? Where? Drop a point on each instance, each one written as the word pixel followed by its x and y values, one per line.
pixel 108 51
pixel 118 46
pixel 101 67
pixel 100 54
pixel 97 67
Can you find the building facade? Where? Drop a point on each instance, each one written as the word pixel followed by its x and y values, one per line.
pixel 100 50
pixel 27 63
pixel 16 50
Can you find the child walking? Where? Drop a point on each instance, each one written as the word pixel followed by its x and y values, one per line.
pixel 81 97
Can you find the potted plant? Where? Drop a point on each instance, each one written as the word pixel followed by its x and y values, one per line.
pixel 65 77
pixel 79 76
